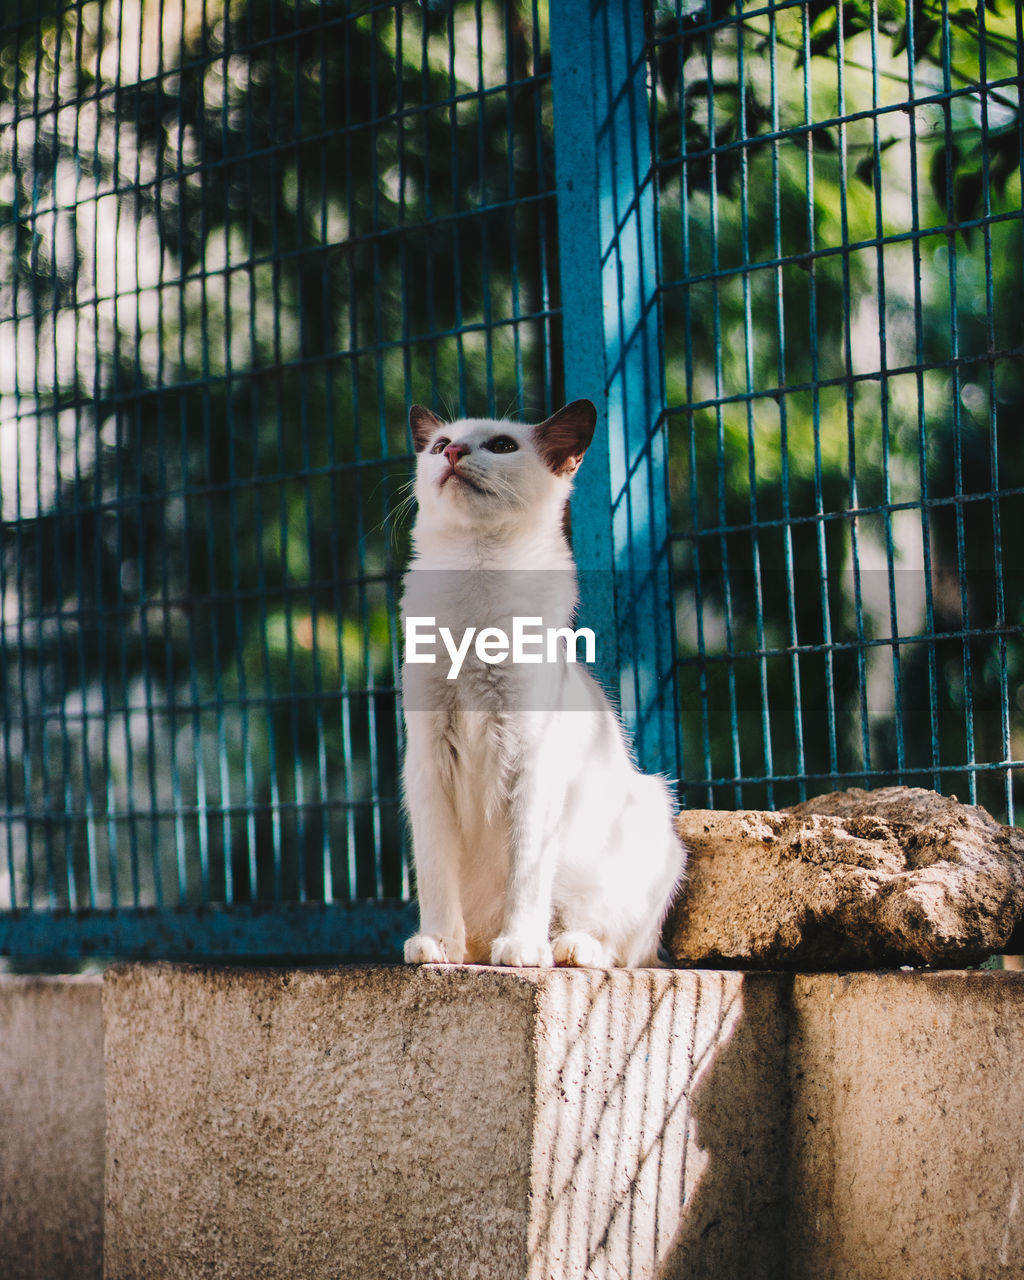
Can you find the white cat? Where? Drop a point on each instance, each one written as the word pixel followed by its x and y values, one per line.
pixel 535 838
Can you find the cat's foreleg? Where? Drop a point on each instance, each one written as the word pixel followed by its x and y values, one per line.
pixel 441 938
pixel 524 937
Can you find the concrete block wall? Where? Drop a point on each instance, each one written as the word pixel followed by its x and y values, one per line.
pixel 907 1127
pixel 477 1123
pixel 442 1122
pixel 51 1128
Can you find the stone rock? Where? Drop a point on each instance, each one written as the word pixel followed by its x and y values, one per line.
pixel 854 879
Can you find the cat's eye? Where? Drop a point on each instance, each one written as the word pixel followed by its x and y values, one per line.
pixel 440 445
pixel 502 444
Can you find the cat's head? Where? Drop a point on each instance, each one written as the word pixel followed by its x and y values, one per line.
pixel 479 472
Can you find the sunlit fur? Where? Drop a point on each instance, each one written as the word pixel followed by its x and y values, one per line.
pixel 536 839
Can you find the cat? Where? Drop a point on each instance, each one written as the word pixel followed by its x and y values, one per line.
pixel 536 840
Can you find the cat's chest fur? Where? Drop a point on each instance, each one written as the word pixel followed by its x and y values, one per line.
pixel 478 722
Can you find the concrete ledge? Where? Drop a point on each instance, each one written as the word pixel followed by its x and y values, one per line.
pixel 429 1122
pixel 907 1155
pixel 463 1122
pixel 471 1122
pixel 51 1128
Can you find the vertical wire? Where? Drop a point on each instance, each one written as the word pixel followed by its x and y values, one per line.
pixel 819 496
pixel 299 249
pixel 485 251
pixel 542 265
pixel 74 819
pixel 749 383
pixel 224 771
pixel 250 801
pixel 122 500
pixel 323 772
pixel 1019 15
pixel 851 435
pixel 20 549
pixel 99 501
pixel 20 554
pixel 234 479
pixel 67 824
pixel 5 674
pixel 10 808
pixel 958 480
pixel 511 194
pixel 369 675
pixel 690 374
pixel 922 430
pixel 658 475
pixel 143 501
pixel 456 199
pixel 277 108
pixel 177 795
pixel 40 574
pixel 993 433
pixel 428 202
pixel 883 375
pixel 404 877
pixel 223 766
pixel 347 693
pixel 780 329
pixel 223 802
pixel 92 851
pixel 273 776
pixel 544 289
pixel 391 573
pixel 730 647
pixel 6 624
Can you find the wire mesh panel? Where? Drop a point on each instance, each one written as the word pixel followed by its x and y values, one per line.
pixel 840 197
pixel 237 238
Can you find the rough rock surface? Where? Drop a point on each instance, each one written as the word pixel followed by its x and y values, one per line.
pixel 854 879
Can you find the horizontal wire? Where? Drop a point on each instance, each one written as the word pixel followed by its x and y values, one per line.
pixel 847 775
pixel 846 514
pixel 710 659
pixel 847 380
pixel 207 809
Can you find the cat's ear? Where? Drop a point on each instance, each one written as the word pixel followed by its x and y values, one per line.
pixel 563 439
pixel 423 424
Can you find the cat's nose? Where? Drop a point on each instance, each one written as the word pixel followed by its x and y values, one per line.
pixel 455 451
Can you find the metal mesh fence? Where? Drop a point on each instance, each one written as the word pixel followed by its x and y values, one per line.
pixel 237 237
pixel 840 198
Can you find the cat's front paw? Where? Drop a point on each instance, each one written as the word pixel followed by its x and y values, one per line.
pixel 425 948
pixel 580 950
pixel 521 953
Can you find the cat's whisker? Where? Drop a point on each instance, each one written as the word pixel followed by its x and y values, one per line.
pixel 394 518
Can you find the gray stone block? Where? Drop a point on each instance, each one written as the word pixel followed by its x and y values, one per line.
pixel 51 1128
pixel 461 1123
pixel 443 1122
pixel 907 1156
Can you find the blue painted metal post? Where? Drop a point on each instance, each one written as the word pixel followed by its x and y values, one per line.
pixel 612 350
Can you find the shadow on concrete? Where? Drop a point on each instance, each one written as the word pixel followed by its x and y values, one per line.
pixel 660 1146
